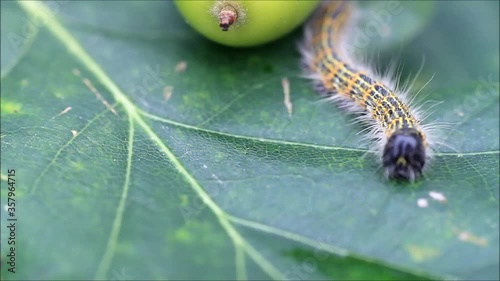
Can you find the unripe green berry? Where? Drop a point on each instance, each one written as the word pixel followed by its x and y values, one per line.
pixel 245 23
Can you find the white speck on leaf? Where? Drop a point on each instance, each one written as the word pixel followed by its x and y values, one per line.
pixel 66 110
pixel 422 203
pixel 181 66
pixel 437 196
pixel 286 91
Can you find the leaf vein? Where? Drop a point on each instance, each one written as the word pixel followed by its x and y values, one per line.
pixel 283 142
pixel 107 258
pixel 324 246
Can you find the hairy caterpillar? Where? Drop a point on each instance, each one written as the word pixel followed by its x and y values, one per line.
pixel 401 141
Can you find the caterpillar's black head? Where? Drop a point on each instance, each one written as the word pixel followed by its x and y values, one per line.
pixel 404 154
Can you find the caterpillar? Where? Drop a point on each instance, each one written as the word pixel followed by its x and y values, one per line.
pixel 393 124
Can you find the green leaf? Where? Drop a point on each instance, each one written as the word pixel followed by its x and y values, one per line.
pixel 128 169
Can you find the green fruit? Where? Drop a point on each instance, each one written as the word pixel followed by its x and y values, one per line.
pixel 255 22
